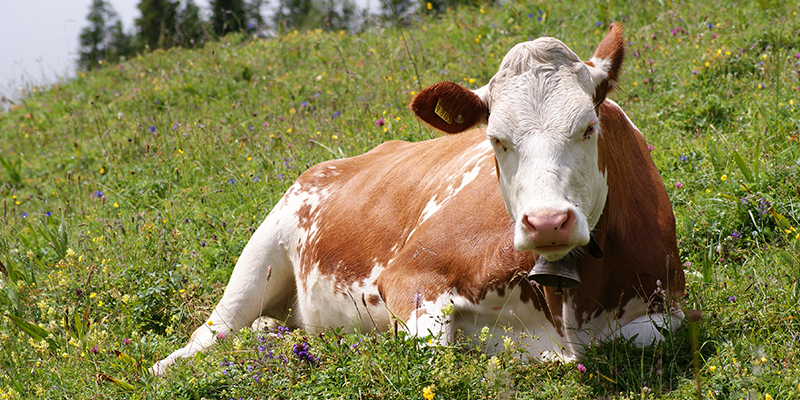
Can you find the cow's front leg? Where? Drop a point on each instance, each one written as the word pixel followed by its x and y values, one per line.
pixel 262 283
pixel 432 317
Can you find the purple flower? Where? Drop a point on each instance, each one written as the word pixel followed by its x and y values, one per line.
pixel 678 185
pixel 651 147
pixel 99 194
pixel 220 335
pixel 24 215
pixel 301 350
pixel 232 181
pixel 336 114
pixel 304 103
pixel 763 206
pixel 94 349
pixel 380 122
pixel 598 23
pixel 126 341
pixel 581 368
pixel 48 214
pixel 152 129
pixel 797 56
pixel 203 243
pixel 736 235
pixel 683 158
pixel 732 299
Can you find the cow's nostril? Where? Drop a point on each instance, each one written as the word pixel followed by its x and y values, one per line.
pixel 538 225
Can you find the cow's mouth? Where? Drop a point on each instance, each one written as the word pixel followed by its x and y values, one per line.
pixel 552 248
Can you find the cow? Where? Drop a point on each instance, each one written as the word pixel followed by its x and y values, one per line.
pixel 445 236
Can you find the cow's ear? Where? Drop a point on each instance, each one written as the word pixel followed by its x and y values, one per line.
pixel 449 107
pixel 606 63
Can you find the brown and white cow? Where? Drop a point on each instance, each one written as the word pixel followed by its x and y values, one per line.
pixel 408 229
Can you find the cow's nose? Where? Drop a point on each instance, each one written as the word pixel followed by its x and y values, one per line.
pixel 549 227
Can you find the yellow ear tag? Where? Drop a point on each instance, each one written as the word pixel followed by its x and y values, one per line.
pixel 442 113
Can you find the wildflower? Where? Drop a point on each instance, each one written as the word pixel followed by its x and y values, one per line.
pixel 48 214
pixel 651 147
pixel 723 177
pixel 678 185
pixel 232 181
pixel 427 392
pixel 126 341
pixel 581 368
pixel 336 114
pixel 24 215
pixel 99 193
pixel 220 335
pixel 736 235
pixel 301 350
pixel 152 129
pixel 683 158
pixel 598 23
pixel 767 397
pixel 732 299
pixel 763 206
pixel 94 349
pixel 380 122
pixel 712 368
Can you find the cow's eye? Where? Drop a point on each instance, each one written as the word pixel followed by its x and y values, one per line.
pixel 589 131
pixel 497 143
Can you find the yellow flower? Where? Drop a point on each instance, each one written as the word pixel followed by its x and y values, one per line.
pixel 334 137
pixel 429 6
pixel 91 296
pixel 426 391
pixel 210 322
pixel 712 368
pixel 116 205
pixel 767 396
pixel 723 177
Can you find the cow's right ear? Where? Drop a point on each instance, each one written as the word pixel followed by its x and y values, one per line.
pixel 449 107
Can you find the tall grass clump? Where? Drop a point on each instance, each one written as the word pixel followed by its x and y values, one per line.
pixel 129 192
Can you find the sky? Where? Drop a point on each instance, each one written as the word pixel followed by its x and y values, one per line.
pixel 40 38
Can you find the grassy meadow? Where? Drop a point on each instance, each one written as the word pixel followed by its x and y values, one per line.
pixel 128 193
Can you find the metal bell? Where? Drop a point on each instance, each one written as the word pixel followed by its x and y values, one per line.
pixel 561 274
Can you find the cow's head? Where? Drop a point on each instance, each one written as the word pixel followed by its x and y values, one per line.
pixel 541 111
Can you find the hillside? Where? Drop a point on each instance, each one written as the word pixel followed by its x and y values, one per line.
pixel 129 192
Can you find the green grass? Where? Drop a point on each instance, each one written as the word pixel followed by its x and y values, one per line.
pixel 128 193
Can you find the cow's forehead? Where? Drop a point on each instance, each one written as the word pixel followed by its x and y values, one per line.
pixel 541 73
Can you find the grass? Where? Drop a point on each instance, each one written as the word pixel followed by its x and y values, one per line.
pixel 128 193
